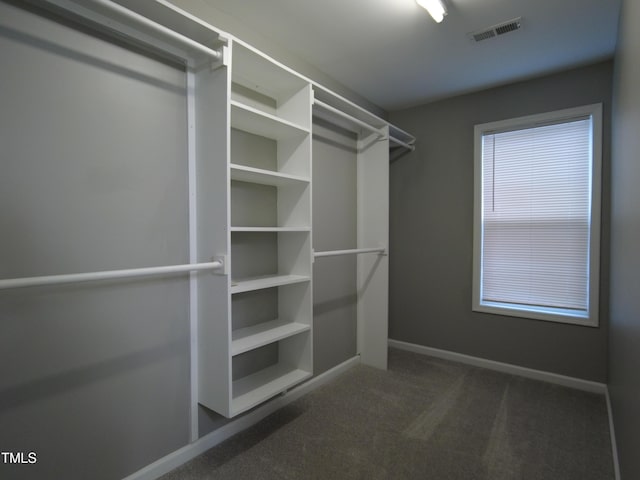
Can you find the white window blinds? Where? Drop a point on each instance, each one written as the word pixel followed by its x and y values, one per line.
pixel 536 208
pixel 537 216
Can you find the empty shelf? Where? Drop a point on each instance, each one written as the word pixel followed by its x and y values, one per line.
pixel 253 389
pixel 248 338
pixel 252 70
pixel 243 173
pixel 268 281
pixel 252 120
pixel 270 229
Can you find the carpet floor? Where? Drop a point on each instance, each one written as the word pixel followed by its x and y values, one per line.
pixel 425 418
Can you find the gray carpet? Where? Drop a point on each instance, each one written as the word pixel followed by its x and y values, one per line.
pixel 423 419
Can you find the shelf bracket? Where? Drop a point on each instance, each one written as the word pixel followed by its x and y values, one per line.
pixel 222 61
pixel 224 270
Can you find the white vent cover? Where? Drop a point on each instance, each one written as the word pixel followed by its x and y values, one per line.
pixel 497 30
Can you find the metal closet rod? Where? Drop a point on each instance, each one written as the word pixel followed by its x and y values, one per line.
pixel 114 7
pixel 408 146
pixel 355 120
pixel 353 251
pixel 107 275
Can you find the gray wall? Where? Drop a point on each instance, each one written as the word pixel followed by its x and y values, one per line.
pixel 624 357
pixel 432 231
pixel 93 378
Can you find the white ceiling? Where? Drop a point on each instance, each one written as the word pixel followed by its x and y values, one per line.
pixel 392 53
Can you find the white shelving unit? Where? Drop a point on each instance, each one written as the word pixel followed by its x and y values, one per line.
pixel 250 184
pixel 267 346
pixel 249 123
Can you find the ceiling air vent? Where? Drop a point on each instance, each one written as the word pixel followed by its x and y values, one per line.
pixel 496 30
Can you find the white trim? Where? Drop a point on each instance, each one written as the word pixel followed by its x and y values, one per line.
pixel 548 314
pixel 572 382
pixel 540 119
pixel 612 432
pixel 188 452
pixel 193 253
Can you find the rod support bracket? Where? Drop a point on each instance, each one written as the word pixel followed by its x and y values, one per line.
pixel 222 61
pixel 224 269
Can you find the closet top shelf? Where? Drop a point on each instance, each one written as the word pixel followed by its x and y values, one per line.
pixel 178 20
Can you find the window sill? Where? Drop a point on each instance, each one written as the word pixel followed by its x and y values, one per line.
pixel 557 315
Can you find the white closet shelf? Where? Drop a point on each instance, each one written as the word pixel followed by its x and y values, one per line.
pixel 243 173
pixel 267 281
pixel 271 229
pixel 252 120
pixel 254 389
pixel 249 338
pixel 252 70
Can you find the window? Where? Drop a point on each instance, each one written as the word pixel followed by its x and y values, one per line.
pixel 537 216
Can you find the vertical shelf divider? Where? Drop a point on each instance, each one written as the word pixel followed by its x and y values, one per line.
pixel 211 101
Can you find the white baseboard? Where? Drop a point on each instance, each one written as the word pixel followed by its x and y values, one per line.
pixel 188 452
pixel 612 431
pixel 572 382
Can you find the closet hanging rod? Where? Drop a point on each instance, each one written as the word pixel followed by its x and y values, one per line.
pixel 401 143
pixel 353 251
pixel 352 119
pixel 106 275
pixel 142 20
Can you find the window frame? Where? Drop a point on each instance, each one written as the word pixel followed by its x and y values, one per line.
pixel 543 313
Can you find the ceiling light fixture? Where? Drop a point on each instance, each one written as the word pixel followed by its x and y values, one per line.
pixel 435 8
